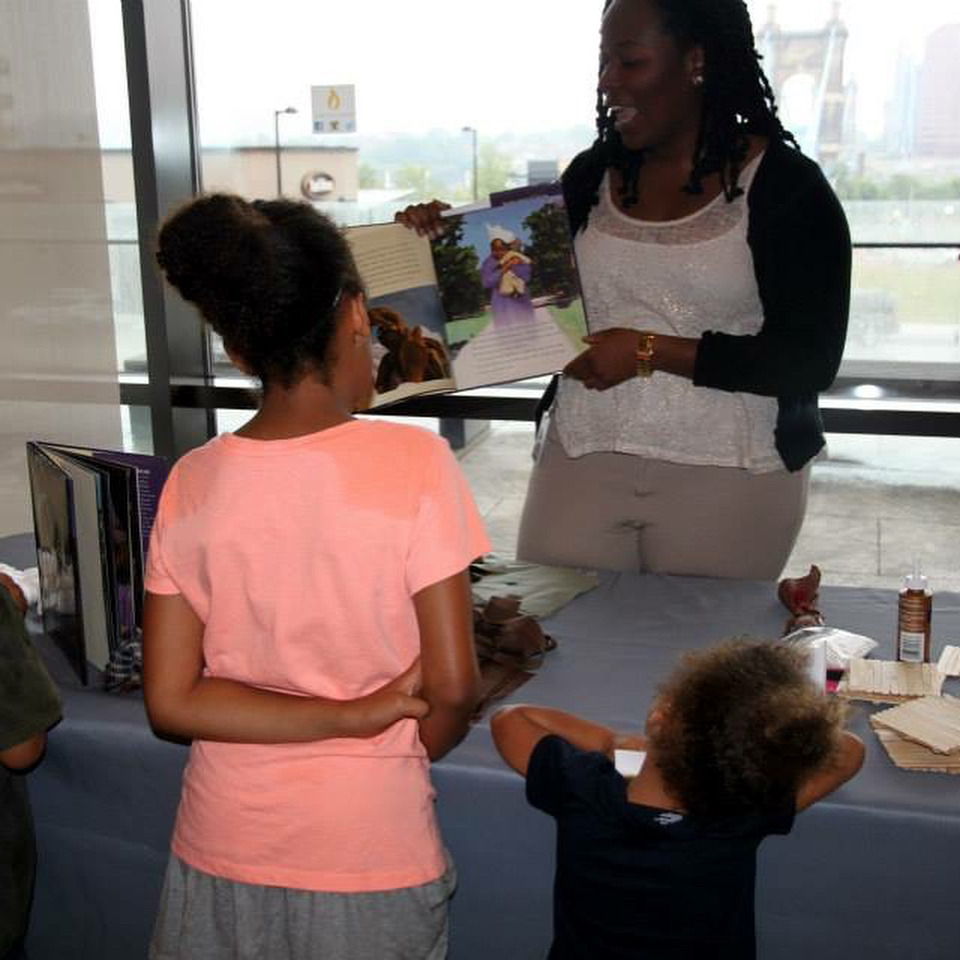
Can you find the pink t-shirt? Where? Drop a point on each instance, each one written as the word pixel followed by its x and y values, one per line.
pixel 301 557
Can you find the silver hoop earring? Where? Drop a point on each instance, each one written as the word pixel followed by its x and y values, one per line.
pixel 697 79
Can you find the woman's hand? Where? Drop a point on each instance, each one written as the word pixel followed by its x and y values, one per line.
pixel 611 359
pixel 424 218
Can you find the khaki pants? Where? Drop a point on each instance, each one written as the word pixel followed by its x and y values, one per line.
pixel 617 511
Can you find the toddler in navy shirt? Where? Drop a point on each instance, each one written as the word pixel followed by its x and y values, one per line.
pixel 663 865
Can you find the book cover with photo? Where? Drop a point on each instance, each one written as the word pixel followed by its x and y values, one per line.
pixel 54 527
pixel 495 298
pixel 93 512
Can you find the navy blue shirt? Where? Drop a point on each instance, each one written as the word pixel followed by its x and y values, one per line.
pixel 636 881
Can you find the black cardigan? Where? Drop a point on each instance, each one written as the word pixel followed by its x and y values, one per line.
pixel 800 242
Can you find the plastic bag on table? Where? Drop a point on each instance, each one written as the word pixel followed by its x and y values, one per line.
pixel 841 645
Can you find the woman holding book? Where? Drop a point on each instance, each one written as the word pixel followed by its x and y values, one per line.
pixel 715 262
pixel 308 619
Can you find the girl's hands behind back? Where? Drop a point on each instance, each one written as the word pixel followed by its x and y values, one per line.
pixel 396 700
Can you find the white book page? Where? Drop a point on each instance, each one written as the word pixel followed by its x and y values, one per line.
pixel 93 590
pixel 629 763
pixel 500 355
pixel 391 257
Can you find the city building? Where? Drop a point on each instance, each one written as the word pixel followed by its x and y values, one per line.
pixel 938 95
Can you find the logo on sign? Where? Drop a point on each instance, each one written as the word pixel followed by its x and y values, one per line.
pixel 334 109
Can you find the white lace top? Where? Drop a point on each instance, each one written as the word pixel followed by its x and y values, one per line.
pixel 679 277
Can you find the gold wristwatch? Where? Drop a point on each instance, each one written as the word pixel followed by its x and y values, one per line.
pixel 645 355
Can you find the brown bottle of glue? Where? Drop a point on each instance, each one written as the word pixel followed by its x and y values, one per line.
pixel 913 618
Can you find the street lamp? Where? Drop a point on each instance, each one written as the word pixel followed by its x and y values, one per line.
pixel 473 132
pixel 276 143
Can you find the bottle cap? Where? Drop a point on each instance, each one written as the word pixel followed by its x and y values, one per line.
pixel 915 580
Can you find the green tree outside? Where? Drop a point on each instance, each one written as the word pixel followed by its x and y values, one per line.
pixel 900 186
pixel 419 179
pixel 369 178
pixel 494 170
pixel 494 173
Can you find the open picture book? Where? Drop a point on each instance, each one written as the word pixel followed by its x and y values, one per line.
pixel 496 298
pixel 93 511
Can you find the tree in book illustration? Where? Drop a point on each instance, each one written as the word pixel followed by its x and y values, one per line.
pixel 549 248
pixel 458 273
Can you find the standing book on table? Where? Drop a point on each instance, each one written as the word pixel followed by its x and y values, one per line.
pixel 93 511
pixel 495 299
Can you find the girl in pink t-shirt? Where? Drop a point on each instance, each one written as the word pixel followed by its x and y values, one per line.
pixel 308 621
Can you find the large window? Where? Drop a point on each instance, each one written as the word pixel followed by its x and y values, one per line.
pixel 69 275
pixel 429 76
pixel 874 96
pixel 120 210
pixel 452 102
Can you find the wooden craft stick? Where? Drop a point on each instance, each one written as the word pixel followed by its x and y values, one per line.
pixel 949 662
pixel 933 722
pixel 908 755
pixel 886 681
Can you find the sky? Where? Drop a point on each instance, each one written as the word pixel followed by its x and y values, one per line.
pixel 428 64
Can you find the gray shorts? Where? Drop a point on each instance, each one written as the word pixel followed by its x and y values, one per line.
pixel 203 917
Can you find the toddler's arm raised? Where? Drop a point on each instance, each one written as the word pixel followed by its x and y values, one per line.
pixel 846 763
pixel 518 729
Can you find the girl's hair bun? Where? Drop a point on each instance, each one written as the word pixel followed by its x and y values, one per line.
pixel 214 247
pixel 265 275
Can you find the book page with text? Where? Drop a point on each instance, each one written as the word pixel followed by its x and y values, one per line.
pixel 409 350
pixel 391 257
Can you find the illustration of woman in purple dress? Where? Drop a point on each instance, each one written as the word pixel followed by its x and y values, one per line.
pixel 506 274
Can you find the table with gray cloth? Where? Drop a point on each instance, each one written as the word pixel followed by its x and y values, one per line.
pixel 870 872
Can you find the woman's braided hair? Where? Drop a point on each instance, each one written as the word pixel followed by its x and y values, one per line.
pixel 737 98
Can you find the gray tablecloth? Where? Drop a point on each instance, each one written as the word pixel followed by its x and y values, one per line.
pixel 871 871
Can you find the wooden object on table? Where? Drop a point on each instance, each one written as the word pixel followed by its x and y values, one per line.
pixel 510 646
pixel 933 722
pixel 949 662
pixel 800 596
pixel 908 755
pixel 889 681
